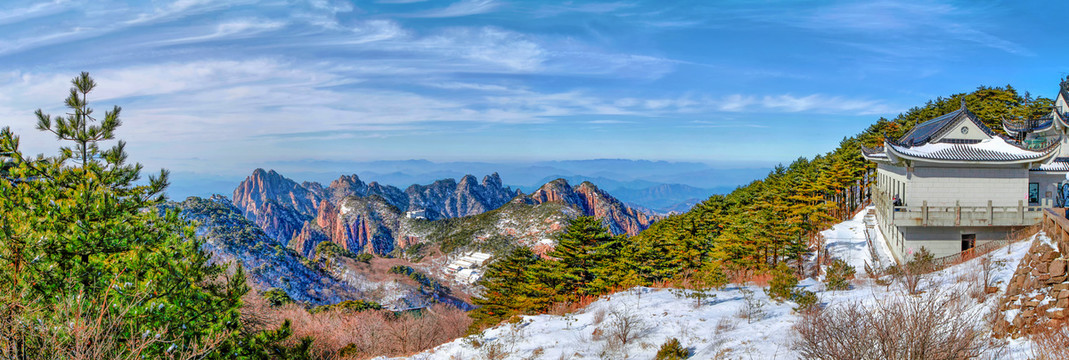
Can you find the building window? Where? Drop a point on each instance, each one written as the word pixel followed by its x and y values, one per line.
pixel 1033 193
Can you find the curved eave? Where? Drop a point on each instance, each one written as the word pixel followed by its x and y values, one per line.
pixel 1040 157
pixel 880 158
pixel 877 154
pixel 1012 129
pixel 1058 117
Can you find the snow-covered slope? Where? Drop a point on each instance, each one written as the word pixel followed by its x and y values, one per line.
pixel 849 241
pixel 716 329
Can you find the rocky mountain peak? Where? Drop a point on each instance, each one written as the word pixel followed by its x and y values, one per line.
pixel 492 180
pixel 591 201
pixel 277 204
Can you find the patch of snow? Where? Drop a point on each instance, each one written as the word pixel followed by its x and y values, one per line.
pixel 849 241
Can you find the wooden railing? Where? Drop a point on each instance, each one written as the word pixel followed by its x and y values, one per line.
pixel 977 251
pixel 1057 227
pixel 957 215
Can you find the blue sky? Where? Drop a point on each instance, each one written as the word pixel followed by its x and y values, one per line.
pixel 223 87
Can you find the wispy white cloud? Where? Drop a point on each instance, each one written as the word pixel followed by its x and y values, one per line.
pixel 459 9
pixel 233 29
pixel 902 28
pixel 175 9
pixel 33 11
pixel 815 103
pixel 487 45
pixel 571 7
pixel 607 122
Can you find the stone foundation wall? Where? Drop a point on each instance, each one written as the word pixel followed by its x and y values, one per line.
pixel 1037 297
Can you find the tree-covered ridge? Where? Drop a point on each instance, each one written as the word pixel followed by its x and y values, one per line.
pixel 759 227
pixel 776 219
pixel 990 104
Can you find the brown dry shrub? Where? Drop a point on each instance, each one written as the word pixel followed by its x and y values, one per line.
pixel 1052 343
pixel 364 334
pixel 930 327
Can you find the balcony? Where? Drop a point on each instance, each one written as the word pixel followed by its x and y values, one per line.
pixel 925 215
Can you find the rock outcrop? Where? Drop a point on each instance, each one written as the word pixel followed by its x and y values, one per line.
pixel 1037 297
pixel 278 205
pixel 591 201
pixel 371 217
pixel 358 216
pixel 315 279
pixel 231 237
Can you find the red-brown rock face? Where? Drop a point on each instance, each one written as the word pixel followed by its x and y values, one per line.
pixel 591 201
pixel 278 205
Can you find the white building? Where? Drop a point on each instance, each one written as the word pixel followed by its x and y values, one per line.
pixel 465 269
pixel 416 214
pixel 960 184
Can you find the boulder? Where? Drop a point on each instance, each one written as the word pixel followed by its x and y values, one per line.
pixel 1057 268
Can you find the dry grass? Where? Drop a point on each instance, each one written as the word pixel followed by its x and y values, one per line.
pixel 362 335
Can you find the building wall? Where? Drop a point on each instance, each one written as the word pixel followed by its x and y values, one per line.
pixel 973 132
pixel 892 180
pixel 945 186
pixel 944 241
pixel 1048 185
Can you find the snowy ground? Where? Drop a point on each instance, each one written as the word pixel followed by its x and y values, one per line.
pixel 715 329
pixel 849 240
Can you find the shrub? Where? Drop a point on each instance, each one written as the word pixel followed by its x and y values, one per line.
pixel 348 305
pixel 425 282
pixel 753 308
pixel 277 297
pixel 806 300
pixel 329 249
pixel 931 327
pixel 672 350
pixel 1051 343
pixel 364 258
pixel 912 273
pixel 839 272
pixel 625 327
pixel 782 284
pixel 364 334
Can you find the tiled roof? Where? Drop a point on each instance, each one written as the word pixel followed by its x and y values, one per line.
pixel 1052 166
pixel 996 149
pixel 924 132
pixel 1018 125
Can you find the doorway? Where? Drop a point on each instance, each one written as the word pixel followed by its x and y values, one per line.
pixel 968 241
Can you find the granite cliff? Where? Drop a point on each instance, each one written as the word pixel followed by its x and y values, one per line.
pixel 381 219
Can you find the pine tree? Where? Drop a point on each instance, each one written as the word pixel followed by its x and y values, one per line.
pixel 582 249
pixel 78 227
pixel 506 289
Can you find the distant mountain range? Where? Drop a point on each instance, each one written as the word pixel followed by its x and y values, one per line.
pixel 303 238
pixel 658 186
pixel 379 219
